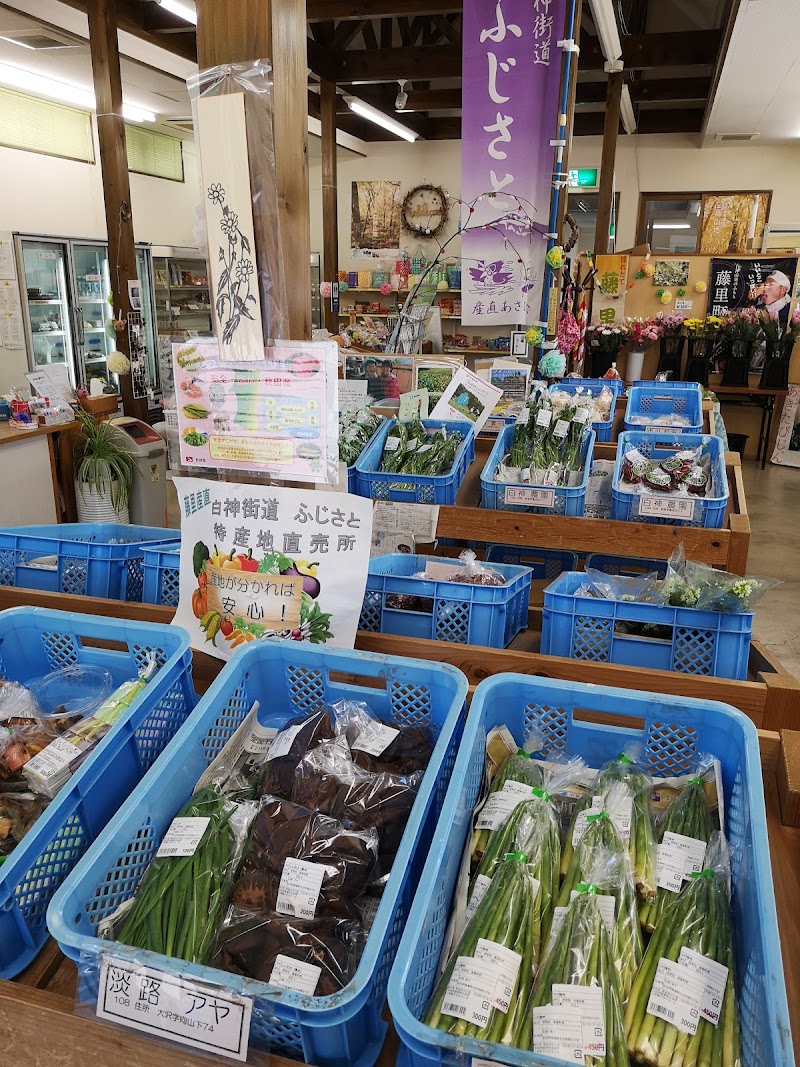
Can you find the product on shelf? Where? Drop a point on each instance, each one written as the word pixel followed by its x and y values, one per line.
pixel 410 449
pixel 548 444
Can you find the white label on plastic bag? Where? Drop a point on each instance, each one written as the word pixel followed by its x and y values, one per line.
pixel 424 448
pixel 523 494
pixel 169 1006
pixel 605 902
pixel 392 444
pixel 560 428
pixel 715 977
pixel 588 1000
pixel 470 991
pixel 621 815
pixel 676 996
pixel 582 820
pixel 558 1032
pixel 260 739
pixel 51 761
pixel 482 883
pixel 677 858
pixel 368 906
pixel 411 444
pixel 581 415
pixel 183 837
pixel 375 738
pixel 544 417
pixel 497 809
pixel 504 963
pixel 298 892
pixel 559 914
pixel 282 743
pixel 295 974
pixel 672 506
pixel 524 415
pixel 520 789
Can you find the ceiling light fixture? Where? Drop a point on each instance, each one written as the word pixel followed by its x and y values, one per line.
pixel 605 22
pixel 64 92
pixel 187 12
pixel 626 111
pixel 402 96
pixel 21 44
pixel 671 226
pixel 366 111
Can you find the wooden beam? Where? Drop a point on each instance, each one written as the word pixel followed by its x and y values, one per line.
pixel 386 33
pixel 433 100
pixel 116 180
pixel 131 18
pixel 233 32
pixel 323 60
pixel 316 10
pixel 346 32
pixel 656 89
pixel 688 48
pixel 680 120
pixel 389 64
pixel 370 40
pixel 607 160
pixel 330 216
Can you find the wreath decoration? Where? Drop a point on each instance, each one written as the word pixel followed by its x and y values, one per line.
pixel 423 228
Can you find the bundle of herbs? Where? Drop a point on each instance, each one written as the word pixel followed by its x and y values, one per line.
pixel 548 449
pixel 410 449
pixel 355 429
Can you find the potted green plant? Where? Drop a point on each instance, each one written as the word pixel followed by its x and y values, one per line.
pixel 104 472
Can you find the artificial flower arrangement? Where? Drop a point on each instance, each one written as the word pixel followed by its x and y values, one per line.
pixel 702 327
pixel 643 332
pixel 671 325
pixel 609 339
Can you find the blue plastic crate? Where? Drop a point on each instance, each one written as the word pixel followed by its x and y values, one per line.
pixel 353 481
pixel 466 614
pixel 288 679
pixel 86 559
pixel 629 566
pixel 161 574
pixel 648 383
pixel 556 500
pixel 543 562
pixel 713 643
pixel 594 387
pixel 673 731
pixel 33 642
pixel 415 488
pixel 651 401
pixel 707 511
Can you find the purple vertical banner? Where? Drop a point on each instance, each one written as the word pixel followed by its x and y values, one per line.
pixel 511 81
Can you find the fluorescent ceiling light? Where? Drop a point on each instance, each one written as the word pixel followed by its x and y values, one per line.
pixel 187 12
pixel 366 111
pixel 64 92
pixel 626 111
pixel 22 44
pixel 606 24
pixel 671 226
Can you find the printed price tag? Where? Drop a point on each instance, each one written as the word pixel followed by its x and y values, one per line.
pixel 521 789
pixel 424 448
pixel 470 991
pixel 504 963
pixel 375 738
pixel 559 914
pixel 295 974
pixel 392 444
pixel 260 739
pixel 670 865
pixel 298 892
pixel 168 1006
pixel 411 444
pixel 496 426
pixel 368 906
pixel 544 417
pixel 283 742
pixel 558 1032
pixel 621 812
pixel 607 905
pixel 693 849
pixel 497 809
pixel 582 820
pixel 523 494
pixel 482 883
pixel 715 977
pixel 51 761
pixel 588 1001
pixel 581 415
pixel 676 996
pixel 674 507
pixel 560 428
pixel 183 837
pixel 524 415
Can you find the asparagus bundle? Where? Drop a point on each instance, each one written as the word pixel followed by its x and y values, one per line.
pixel 517 774
pixel 601 859
pixel 485 987
pixel 578 972
pixel 641 838
pixel 682 1010
pixel 684 830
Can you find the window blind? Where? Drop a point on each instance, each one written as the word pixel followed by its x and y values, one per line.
pixel 36 125
pixel 156 154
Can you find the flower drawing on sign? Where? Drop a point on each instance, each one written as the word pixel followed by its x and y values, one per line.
pixel 498 33
pixel 234 285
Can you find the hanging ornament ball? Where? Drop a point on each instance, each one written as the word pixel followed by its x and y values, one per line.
pixel 649 269
pixel 118 363
pixel 555 257
pixel 325 289
pixel 443 286
pixel 534 335
pixel 386 289
pixel 343 286
pixel 700 287
pixel 665 297
pixel 553 365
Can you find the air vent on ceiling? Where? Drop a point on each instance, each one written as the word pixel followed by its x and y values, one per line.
pixel 728 138
pixel 40 40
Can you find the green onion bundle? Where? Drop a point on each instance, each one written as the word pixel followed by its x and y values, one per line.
pixel 581 955
pixel 181 903
pixel 486 985
pixel 355 429
pixel 519 769
pixel 688 816
pixel 550 445
pixel 416 452
pixel 661 1031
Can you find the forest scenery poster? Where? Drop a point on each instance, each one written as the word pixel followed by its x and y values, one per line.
pixel 727 220
pixel 375 220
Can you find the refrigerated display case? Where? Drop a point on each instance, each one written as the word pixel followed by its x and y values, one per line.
pixel 182 294
pixel 49 307
pixel 317 317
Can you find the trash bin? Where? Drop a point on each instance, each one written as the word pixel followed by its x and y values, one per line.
pixel 737 442
pixel 148 496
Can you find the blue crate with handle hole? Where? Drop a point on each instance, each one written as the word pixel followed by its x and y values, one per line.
pixel 102 559
pixel 161 574
pixel 289 679
pixel 653 636
pixel 628 566
pixel 441 610
pixel 543 562
pixel 582 720
pixel 650 402
pixel 34 642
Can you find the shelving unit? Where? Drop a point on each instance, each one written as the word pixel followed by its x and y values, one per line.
pixel 174 319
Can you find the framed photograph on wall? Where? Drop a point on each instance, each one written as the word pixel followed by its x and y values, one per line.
pixel 519 346
pixel 728 221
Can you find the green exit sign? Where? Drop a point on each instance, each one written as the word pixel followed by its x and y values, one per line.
pixel 585 178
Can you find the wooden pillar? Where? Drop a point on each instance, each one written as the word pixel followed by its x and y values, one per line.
pixel 116 181
pixel 563 205
pixel 607 161
pixel 234 31
pixel 330 218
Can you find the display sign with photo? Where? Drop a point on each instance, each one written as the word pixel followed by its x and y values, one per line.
pixel 765 283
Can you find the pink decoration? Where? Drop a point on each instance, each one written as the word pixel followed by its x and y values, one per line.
pixel 325 289
pixel 386 289
pixel 568 333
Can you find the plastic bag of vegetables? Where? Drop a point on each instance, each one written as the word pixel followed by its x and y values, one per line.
pixel 576 1006
pixel 601 859
pixel 485 986
pixel 517 775
pixel 682 1010
pixel 181 902
pixel 683 834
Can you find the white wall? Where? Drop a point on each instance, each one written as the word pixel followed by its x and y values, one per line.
pixel 46 195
